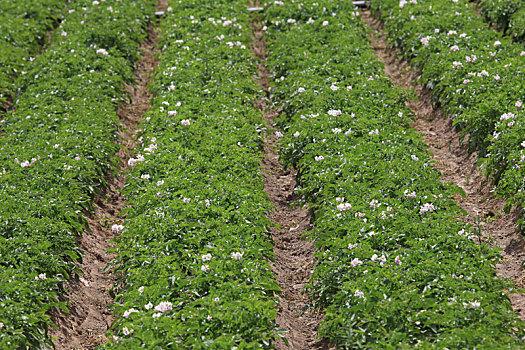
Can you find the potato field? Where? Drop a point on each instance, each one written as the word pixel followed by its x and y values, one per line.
pixel 242 174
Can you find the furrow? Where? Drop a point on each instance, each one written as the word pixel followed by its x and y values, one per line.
pixel 458 166
pixel 294 253
pixel 90 312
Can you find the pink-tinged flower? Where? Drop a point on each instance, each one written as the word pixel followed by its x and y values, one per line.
pixel 466 81
pixel 129 312
pixel 237 255
pixel 310 21
pixel 160 182
pixel 334 87
pixel 95 3
pixel 410 195
pixel 518 104
pixel 397 260
pixel 172 113
pixel 426 207
pixel 25 164
pixel 359 294
pixel 497 77
pixel 141 289
pixel 102 52
pixel 280 3
pixel 325 23
pixel 336 131
pixel 42 277
pixel 454 48
pixel 127 331
pixel 186 200
pixel 164 306
pixel 63 33
pixel 497 43
pixel 507 116
pixel 209 318
pixel 402 3
pixel 334 112
pixel 352 246
pixel 301 89
pixel 291 21
pixel 318 158
pixel 205 268
pixel 296 134
pixel 206 257
pixel 185 122
pixel 457 64
pixel 344 206
pixel 279 134
pixel 117 228
pixel 452 32
pixel 227 23
pixel 115 339
pixel 522 53
pixel 425 40
pixel 472 305
pixel 132 162
pixel 156 315
pixel 355 262
pixel 148 306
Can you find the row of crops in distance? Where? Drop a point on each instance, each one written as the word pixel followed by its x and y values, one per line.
pixel 55 152
pixel 396 269
pixel 505 15
pixel 476 75
pixel 194 248
pixel 23 25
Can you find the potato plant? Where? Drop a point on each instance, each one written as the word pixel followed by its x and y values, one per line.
pixel 195 246
pixel 56 149
pixel 396 267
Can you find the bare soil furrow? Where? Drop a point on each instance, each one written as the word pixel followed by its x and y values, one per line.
pixel 452 159
pixel 90 315
pixel 294 254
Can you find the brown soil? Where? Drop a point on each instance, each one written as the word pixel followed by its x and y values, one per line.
pixel 294 253
pixel 458 166
pixel 90 315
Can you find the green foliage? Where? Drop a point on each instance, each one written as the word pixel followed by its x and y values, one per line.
pixel 23 25
pixel 55 151
pixel 477 76
pixel 198 191
pixel 395 268
pixel 505 15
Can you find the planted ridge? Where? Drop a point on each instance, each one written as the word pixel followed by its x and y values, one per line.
pixel 90 313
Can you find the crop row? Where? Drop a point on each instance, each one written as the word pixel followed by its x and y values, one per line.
pixel 194 248
pixel 396 269
pixel 22 29
pixel 476 76
pixel 506 15
pixel 55 151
